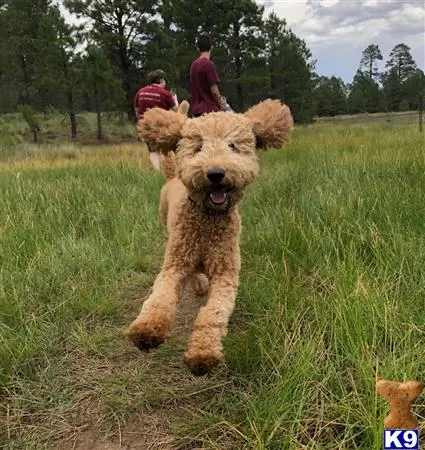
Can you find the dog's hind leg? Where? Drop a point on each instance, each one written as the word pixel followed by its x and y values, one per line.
pixel 200 284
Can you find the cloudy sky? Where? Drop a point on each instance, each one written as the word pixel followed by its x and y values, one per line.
pixel 337 31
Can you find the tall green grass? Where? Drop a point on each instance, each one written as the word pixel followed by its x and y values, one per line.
pixel 69 240
pixel 331 294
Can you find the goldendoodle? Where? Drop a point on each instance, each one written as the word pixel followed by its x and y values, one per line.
pixel 208 162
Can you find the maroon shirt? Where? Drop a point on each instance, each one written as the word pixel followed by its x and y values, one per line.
pixel 152 96
pixel 202 76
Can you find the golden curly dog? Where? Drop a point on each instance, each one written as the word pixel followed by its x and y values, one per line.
pixel 214 160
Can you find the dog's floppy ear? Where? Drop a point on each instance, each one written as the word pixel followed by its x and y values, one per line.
pixel 271 122
pixel 162 128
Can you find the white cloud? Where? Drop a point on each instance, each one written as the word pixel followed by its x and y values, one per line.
pixel 70 18
pixel 292 11
pixel 338 30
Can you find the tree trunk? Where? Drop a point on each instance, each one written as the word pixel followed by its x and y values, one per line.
pixel 125 64
pixel 99 125
pixel 130 109
pixel 35 130
pixel 73 120
pixel 273 84
pixel 72 115
pixel 27 81
pixel 238 66
pixel 239 91
pixel 126 84
pixel 70 92
pixel 98 115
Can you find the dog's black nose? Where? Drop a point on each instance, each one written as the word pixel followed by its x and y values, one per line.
pixel 215 175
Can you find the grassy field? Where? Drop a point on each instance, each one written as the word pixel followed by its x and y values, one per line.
pixel 393 118
pixel 55 128
pixel 331 298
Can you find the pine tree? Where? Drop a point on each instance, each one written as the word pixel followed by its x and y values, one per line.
pixel 290 68
pixel 101 86
pixel 370 56
pixel 243 40
pixel 365 95
pixel 392 89
pixel 121 27
pixel 69 71
pixel 235 28
pixel 165 39
pixel 8 98
pixel 31 52
pixel 401 61
pixel 413 88
pixel 330 96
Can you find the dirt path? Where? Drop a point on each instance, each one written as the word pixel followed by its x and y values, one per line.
pixel 152 427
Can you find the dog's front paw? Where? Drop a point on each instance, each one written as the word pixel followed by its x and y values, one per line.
pixel 202 362
pixel 146 335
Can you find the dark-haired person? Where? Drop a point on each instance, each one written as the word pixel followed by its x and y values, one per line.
pixel 204 81
pixel 154 94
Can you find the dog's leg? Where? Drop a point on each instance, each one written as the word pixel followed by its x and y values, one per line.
pixel 154 323
pixel 200 284
pixel 205 344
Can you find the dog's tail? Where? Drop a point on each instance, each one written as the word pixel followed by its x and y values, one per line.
pixel 167 165
pixel 183 107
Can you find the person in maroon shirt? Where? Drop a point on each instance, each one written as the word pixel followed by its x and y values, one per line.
pixel 154 95
pixel 205 95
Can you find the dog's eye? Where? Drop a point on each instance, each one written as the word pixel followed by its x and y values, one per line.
pixel 198 148
pixel 232 147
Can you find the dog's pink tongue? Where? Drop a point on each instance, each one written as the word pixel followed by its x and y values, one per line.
pixel 218 197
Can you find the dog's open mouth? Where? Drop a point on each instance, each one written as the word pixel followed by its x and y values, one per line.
pixel 218 198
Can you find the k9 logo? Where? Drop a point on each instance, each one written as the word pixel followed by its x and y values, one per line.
pixel 401 439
